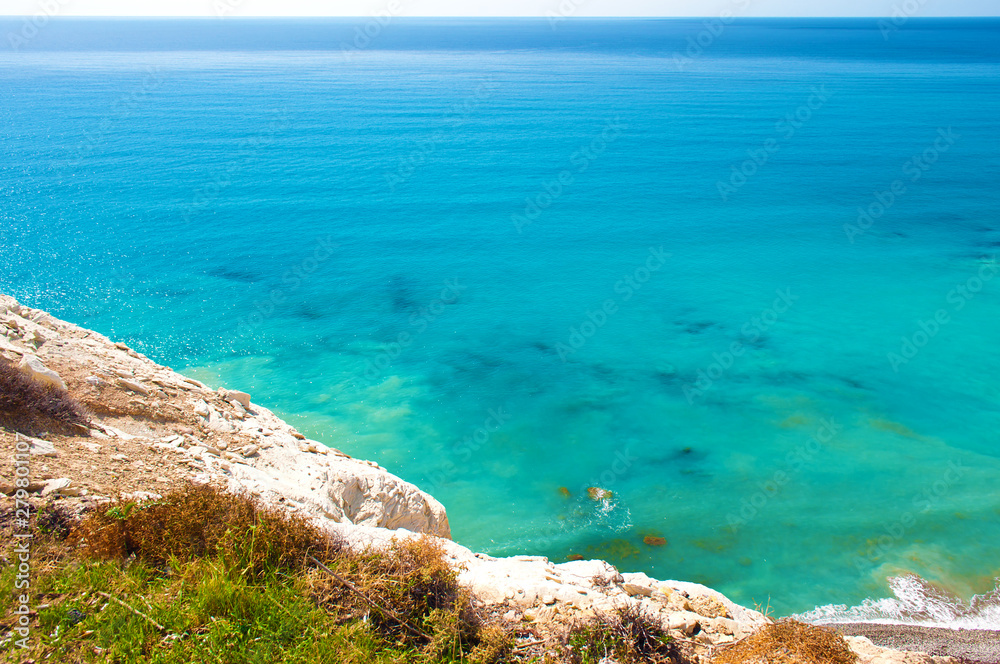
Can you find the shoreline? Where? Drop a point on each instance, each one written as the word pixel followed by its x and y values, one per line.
pixel 975 646
pixel 153 429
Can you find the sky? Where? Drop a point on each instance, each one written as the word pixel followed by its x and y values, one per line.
pixel 236 8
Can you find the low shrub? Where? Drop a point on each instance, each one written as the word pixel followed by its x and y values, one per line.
pixel 789 642
pixel 201 521
pixel 55 521
pixel 408 592
pixel 628 636
pixel 203 574
pixel 26 405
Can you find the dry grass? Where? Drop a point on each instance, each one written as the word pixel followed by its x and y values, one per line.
pixel 201 521
pixel 627 636
pixel 408 593
pixel 789 642
pixel 55 521
pixel 28 406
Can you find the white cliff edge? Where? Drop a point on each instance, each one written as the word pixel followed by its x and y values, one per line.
pixel 235 443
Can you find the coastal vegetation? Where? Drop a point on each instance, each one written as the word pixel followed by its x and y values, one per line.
pixel 201 575
pixel 27 404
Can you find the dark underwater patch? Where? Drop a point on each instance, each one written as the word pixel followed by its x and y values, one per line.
pixel 244 276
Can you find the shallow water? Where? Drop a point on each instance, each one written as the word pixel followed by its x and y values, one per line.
pixel 340 237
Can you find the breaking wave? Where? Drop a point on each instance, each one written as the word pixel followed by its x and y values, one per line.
pixel 915 601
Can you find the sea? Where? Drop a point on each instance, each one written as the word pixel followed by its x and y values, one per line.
pixel 711 299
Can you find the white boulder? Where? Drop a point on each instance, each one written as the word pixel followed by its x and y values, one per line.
pixel 31 365
pixel 370 496
pixel 240 397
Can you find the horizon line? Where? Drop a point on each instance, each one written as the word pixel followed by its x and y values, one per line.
pixel 436 16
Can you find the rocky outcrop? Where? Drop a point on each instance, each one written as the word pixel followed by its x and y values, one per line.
pixel 535 590
pixel 31 365
pixel 173 420
pixel 363 494
pixel 153 427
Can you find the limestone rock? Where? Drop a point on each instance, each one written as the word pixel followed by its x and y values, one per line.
pixel 216 422
pixel 636 590
pixel 56 486
pixel 748 617
pixel 722 626
pixel 371 496
pixel 41 447
pixel 134 386
pixel 604 574
pixel 116 433
pixel 315 447
pixel 685 621
pixel 240 397
pixel 708 606
pixel 5 345
pixel 7 303
pixel 31 365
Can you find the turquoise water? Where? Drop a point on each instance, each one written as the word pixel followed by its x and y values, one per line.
pixel 347 237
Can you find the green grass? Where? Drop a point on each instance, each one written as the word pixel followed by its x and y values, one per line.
pixel 210 613
pixel 219 578
pixel 628 636
pixel 231 581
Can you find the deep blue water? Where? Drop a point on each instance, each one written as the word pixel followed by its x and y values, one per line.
pixel 801 402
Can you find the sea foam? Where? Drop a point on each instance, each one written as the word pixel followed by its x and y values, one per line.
pixel 916 601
